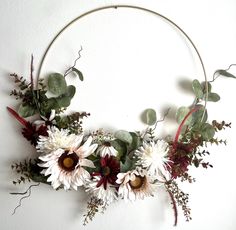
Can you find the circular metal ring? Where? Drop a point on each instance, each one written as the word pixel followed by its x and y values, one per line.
pixel 137 8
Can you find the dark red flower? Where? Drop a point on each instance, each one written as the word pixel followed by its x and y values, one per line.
pixel 109 168
pixel 32 132
pixel 180 157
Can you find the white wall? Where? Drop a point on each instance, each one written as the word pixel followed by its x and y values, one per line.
pixel 120 47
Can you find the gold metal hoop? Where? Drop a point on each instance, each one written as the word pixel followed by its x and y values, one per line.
pixel 137 8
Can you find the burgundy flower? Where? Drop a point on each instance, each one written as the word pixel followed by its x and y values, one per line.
pixel 109 168
pixel 180 157
pixel 32 132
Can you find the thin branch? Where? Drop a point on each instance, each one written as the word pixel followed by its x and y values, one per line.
pixel 31 72
pixel 68 71
pixel 164 117
pixel 24 197
pixel 174 207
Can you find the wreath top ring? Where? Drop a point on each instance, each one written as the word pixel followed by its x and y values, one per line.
pixel 127 165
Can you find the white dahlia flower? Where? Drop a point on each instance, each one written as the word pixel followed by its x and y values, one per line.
pixel 153 156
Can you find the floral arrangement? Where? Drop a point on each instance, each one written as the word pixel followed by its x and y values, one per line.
pixel 124 165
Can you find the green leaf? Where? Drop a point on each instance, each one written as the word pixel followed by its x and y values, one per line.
pixel 70 91
pixel 225 73
pixel 63 101
pixel 207 131
pixel 26 110
pixel 124 136
pixel 181 114
pixel 214 97
pixel 121 147
pixel 135 142
pixel 204 86
pixel 128 165
pixel 48 105
pixel 197 89
pixel 197 117
pixel 79 73
pixel 57 84
pixel 150 117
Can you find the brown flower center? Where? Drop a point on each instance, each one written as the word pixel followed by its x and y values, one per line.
pixel 106 171
pixel 107 144
pixel 68 161
pixel 138 182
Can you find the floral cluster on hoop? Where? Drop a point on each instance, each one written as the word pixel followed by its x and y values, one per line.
pixel 110 166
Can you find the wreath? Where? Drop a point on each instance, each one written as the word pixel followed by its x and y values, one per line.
pixel 126 165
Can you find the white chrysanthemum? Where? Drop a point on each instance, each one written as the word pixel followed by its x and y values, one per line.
pixel 64 158
pixel 107 149
pixel 153 157
pixel 136 184
pixel 107 195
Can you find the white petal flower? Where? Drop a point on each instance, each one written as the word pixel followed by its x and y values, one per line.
pixel 107 195
pixel 64 158
pixel 136 184
pixel 107 149
pixel 153 157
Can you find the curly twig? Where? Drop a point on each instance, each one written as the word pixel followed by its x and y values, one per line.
pixel 24 197
pixel 68 71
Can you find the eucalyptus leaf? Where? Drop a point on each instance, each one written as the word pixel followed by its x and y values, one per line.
pixel 135 142
pixel 181 114
pixel 70 91
pixel 207 131
pixel 63 101
pixel 150 117
pixel 57 84
pixel 225 73
pixel 124 136
pixel 26 110
pixel 121 147
pixel 49 104
pixel 204 86
pixel 78 72
pixel 128 165
pixel 197 89
pixel 214 97
pixel 197 117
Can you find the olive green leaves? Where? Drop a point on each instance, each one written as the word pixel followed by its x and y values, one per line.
pixel 149 117
pixel 200 91
pixel 225 73
pixel 26 110
pixel 57 84
pixel 78 73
